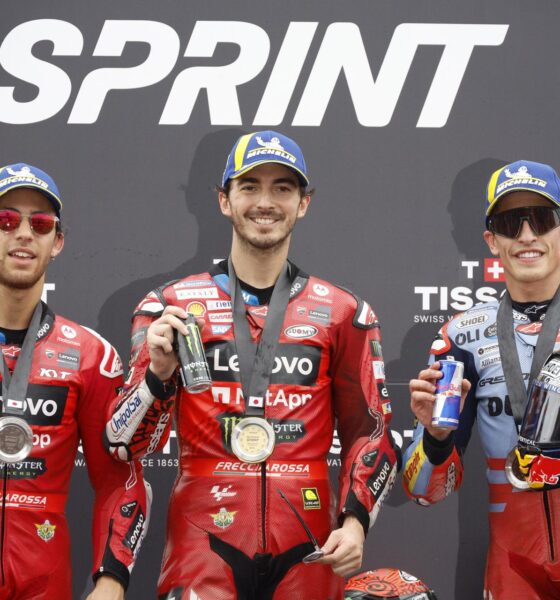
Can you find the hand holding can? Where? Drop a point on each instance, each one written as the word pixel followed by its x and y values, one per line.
pixel 193 366
pixel 447 406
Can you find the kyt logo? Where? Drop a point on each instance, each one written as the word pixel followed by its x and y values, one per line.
pixel 341 51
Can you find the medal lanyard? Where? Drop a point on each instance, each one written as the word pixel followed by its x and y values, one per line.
pixel 510 359
pixel 255 364
pixel 14 387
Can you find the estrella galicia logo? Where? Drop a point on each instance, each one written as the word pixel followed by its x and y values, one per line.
pixel 288 431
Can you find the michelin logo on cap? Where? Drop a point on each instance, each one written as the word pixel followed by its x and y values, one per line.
pixel 22 175
pixel 263 147
pixel 523 175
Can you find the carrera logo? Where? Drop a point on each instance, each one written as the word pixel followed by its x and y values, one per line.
pixel 344 48
pixel 45 404
pixel 301 331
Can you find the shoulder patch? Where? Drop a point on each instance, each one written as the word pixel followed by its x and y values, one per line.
pixel 441 343
pixel 364 317
pixel 110 364
pixel 149 305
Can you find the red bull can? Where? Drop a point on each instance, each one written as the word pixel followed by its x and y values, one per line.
pixel 448 395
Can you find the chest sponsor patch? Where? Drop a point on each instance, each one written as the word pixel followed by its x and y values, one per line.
pixel 45 404
pixel 301 331
pixel 295 364
pixel 192 293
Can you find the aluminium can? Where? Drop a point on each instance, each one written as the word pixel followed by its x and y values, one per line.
pixel 193 365
pixel 448 395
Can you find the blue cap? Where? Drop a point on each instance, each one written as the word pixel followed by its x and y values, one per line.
pixel 523 175
pixel 263 147
pixel 21 175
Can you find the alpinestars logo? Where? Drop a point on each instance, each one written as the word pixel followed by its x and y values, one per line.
pixel 342 50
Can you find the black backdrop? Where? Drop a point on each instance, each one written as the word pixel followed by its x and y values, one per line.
pixel 403 110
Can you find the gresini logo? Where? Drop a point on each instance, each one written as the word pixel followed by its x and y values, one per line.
pixel 341 50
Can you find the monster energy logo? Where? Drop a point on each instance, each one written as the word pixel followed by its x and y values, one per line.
pixel 286 431
pixel 193 341
pixel 227 425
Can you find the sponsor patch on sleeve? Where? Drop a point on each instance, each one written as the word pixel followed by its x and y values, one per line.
pixel 441 343
pixel 364 318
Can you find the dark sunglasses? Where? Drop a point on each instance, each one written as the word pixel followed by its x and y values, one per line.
pixel 317 552
pixel 541 219
pixel 40 223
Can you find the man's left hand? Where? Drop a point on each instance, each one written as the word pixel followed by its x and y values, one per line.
pixel 107 588
pixel 344 547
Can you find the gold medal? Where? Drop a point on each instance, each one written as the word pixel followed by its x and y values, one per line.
pixel 252 440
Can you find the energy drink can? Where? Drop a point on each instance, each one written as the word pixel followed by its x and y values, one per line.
pixel 193 366
pixel 448 395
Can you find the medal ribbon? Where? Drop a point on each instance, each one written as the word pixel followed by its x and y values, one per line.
pixel 510 359
pixel 255 364
pixel 14 387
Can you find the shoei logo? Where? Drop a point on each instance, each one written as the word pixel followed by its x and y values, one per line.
pixel 344 48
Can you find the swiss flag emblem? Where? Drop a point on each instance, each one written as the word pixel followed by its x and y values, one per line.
pixel 493 270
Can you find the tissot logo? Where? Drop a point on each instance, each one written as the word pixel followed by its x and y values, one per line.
pixel 342 49
pixel 295 364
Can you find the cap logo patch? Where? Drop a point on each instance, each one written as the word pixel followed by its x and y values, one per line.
pixel 274 143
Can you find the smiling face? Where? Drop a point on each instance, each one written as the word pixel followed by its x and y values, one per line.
pixel 24 255
pixel 531 262
pixel 264 205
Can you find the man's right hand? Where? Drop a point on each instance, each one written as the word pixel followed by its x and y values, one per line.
pixel 422 398
pixel 160 338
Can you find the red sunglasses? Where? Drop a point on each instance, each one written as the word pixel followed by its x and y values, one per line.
pixel 40 223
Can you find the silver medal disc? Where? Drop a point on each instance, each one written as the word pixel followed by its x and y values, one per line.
pixel 16 439
pixel 252 440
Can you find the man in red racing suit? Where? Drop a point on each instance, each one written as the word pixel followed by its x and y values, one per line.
pixel 230 534
pixel 73 375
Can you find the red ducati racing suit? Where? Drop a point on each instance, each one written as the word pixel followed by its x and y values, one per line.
pixel 230 535
pixel 523 560
pixel 73 377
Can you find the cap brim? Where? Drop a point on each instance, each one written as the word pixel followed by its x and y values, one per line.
pixel 519 189
pixel 54 199
pixel 301 175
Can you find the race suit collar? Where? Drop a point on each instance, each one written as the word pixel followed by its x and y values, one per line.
pixel 255 296
pixel 16 336
pixel 535 311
